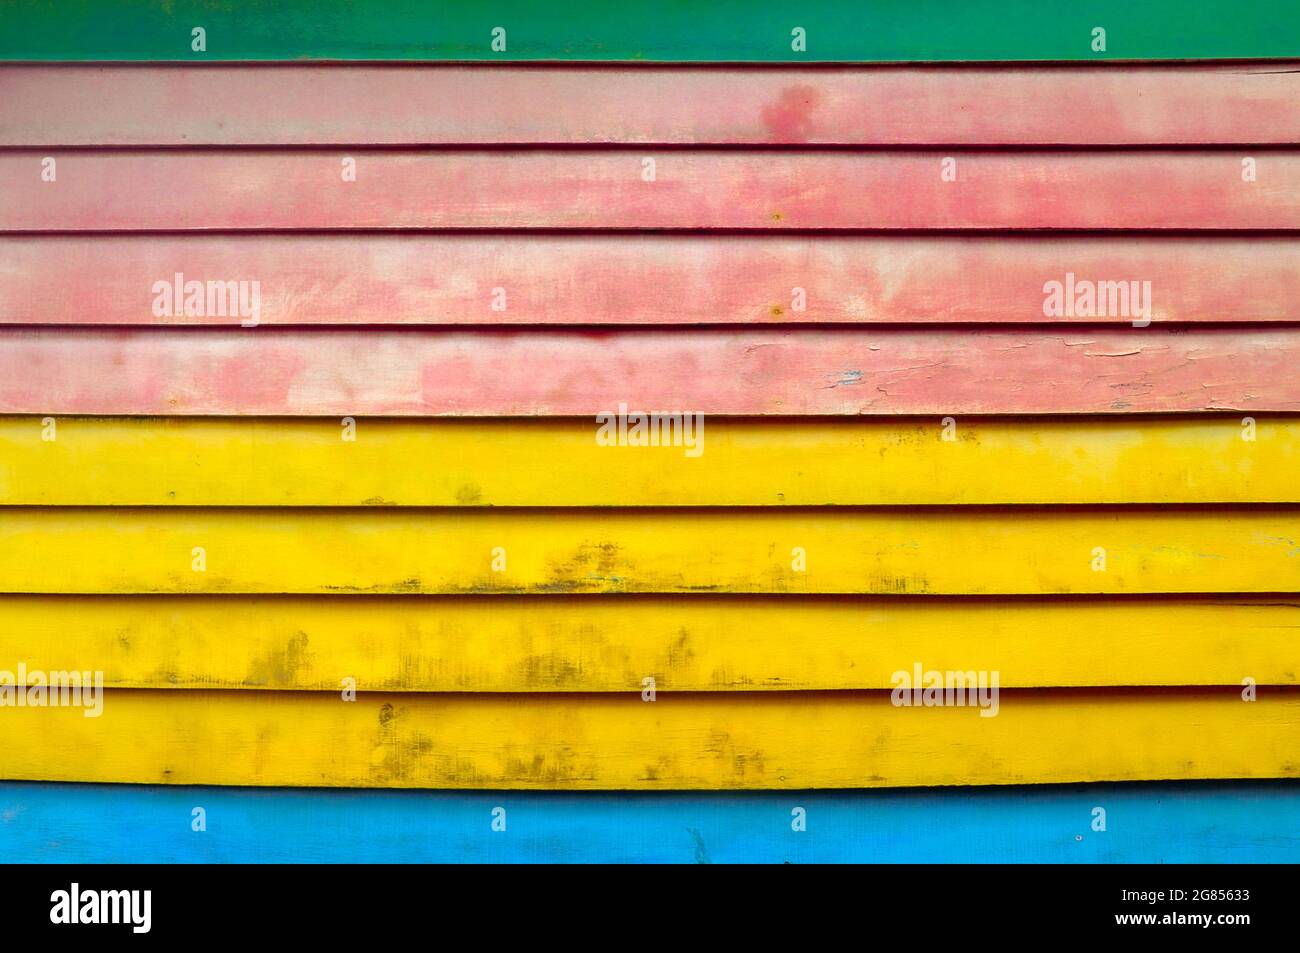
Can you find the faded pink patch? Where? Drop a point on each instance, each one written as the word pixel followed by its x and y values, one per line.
pixel 254 381
pixel 789 119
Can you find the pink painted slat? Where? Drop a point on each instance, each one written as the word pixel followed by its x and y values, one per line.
pixel 583 188
pixel 252 105
pixel 498 372
pixel 639 279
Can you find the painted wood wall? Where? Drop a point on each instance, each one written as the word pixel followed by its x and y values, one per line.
pixel 907 458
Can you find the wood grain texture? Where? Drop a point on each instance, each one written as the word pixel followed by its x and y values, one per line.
pixel 281 372
pixel 260 190
pixel 1202 822
pixel 195 461
pixel 706 741
pixel 645 30
pixel 931 552
pixel 325 105
pixel 686 643
pixel 418 279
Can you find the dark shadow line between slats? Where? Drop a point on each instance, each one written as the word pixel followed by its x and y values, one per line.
pixel 1064 695
pixel 1266 599
pixel 677 65
pixel 880 421
pixel 698 233
pixel 954 148
pixel 496 65
pixel 703 232
pixel 610 328
pixel 664 510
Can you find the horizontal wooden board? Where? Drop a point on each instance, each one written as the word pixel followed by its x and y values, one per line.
pixel 930 552
pixel 250 461
pixel 836 30
pixel 281 372
pixel 1203 822
pixel 326 105
pixel 711 740
pixel 418 279
pixel 685 643
pixel 198 190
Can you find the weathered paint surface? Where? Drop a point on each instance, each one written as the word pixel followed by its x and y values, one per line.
pixel 198 190
pixel 728 31
pixel 270 371
pixel 711 740
pixel 1206 822
pixel 264 371
pixel 876 551
pixel 252 461
pixel 688 643
pixel 300 105
pixel 416 279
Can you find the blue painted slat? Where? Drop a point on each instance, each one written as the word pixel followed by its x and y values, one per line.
pixel 1255 822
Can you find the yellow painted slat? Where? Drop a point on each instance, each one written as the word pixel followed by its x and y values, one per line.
pixel 686 643
pixel 691 741
pixel 261 462
pixel 944 551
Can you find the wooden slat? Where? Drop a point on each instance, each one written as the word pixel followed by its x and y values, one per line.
pixel 739 372
pixel 1202 822
pixel 694 741
pixel 416 279
pixel 315 105
pixel 595 189
pixel 933 552
pixel 640 30
pixel 729 462
pixel 686 643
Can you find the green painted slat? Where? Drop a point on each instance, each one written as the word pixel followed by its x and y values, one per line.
pixel 662 30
